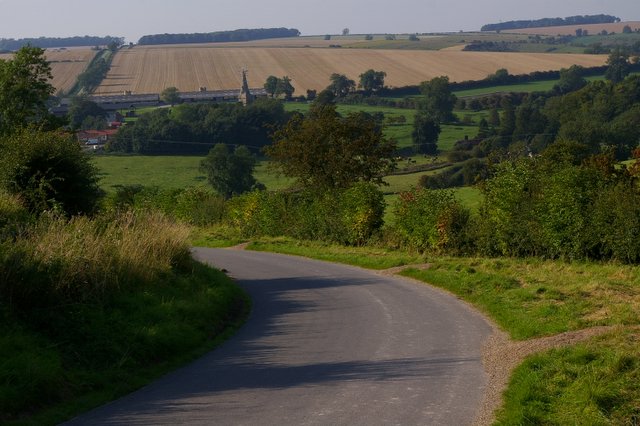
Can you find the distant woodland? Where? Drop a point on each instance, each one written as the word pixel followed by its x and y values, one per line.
pixel 9 44
pixel 552 22
pixel 219 36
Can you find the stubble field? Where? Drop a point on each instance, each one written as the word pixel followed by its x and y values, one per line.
pixel 152 69
pixel 66 65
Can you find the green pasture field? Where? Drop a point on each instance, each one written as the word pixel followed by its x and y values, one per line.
pixel 536 86
pixel 166 172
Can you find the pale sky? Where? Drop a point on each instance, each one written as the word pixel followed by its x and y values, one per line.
pixel 133 18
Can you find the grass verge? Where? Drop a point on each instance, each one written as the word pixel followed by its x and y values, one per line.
pixel 593 383
pixel 93 309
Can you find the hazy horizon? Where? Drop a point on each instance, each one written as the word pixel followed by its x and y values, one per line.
pixel 67 18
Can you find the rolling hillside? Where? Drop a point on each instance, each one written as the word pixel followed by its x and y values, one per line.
pixel 152 69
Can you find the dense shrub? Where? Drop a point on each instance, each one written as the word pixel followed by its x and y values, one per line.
pixel 48 170
pixel 430 220
pixel 193 205
pixel 347 216
pixel 616 219
pixel 534 207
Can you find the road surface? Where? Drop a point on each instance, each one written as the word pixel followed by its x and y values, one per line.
pixel 325 344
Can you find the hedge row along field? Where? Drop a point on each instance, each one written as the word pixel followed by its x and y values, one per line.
pixel 152 69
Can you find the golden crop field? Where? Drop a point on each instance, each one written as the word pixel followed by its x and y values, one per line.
pixel 66 65
pixel 571 29
pixel 151 69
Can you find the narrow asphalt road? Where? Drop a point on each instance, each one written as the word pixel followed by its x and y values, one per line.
pixel 325 344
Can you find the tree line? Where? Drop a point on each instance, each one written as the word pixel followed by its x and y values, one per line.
pixel 219 36
pixel 551 22
pixel 195 128
pixel 10 44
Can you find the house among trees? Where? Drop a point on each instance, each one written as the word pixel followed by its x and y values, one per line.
pixel 95 140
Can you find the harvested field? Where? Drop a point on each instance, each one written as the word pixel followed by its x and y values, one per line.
pixel 66 65
pixel 571 29
pixel 151 69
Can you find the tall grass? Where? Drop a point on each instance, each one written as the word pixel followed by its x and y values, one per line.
pixel 91 309
pixel 84 259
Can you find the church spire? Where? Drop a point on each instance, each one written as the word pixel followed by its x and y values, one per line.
pixel 245 95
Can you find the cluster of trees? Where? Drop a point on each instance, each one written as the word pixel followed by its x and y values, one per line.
pixel 595 118
pixel 551 22
pixel 219 36
pixel 195 128
pixel 85 114
pixel 10 44
pixel 279 86
pixel 341 87
pixel 435 108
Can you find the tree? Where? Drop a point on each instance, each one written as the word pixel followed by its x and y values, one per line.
pixel 508 120
pixel 345 32
pixel 324 151
pixel 368 37
pixel 325 97
pixel 426 131
pixel 501 76
pixel 115 45
pixel 81 109
pixel 341 85
pixel 413 37
pixel 483 129
pixel 48 170
pixel 170 95
pixel 571 79
pixel 230 173
pixel 327 37
pixel 390 37
pixel 494 117
pixel 372 81
pixel 285 87
pixel 25 87
pixel 626 30
pixel 619 67
pixel 271 85
pixel 439 100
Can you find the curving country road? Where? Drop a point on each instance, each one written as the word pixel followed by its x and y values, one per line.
pixel 326 344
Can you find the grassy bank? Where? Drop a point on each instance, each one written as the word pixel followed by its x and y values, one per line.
pixel 93 309
pixel 596 382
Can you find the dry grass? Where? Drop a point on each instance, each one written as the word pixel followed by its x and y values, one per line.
pixel 66 65
pixel 133 247
pixel 571 29
pixel 152 69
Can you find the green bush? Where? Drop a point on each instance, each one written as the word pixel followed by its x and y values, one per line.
pixel 362 212
pixel 193 205
pixel 507 223
pixel 616 219
pixel 48 170
pixel 431 220
pixel 348 216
